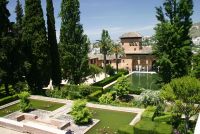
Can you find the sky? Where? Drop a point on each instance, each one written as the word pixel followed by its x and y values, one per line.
pixel 116 16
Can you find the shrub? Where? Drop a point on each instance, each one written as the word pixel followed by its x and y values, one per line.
pixel 137 91
pixel 8 99
pixel 106 98
pixel 164 118
pixel 122 86
pixel 149 97
pixel 81 113
pixel 24 101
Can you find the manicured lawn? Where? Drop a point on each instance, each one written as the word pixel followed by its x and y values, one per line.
pixel 112 120
pixel 36 104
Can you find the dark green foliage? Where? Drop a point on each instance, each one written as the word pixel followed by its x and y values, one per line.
pixel 8 99
pixel 36 46
pixel 110 70
pixel 196 65
pixel 110 79
pixel 24 101
pixel 173 43
pixel 81 113
pixel 55 59
pixel 74 45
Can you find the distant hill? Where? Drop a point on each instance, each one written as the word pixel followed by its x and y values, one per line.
pixel 195 30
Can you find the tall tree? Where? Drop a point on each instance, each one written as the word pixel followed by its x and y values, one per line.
pixel 37 48
pixel 74 45
pixel 5 25
pixel 105 45
pixel 55 59
pixel 173 45
pixel 117 50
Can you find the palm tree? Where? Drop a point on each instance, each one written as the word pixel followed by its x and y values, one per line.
pixel 118 50
pixel 105 45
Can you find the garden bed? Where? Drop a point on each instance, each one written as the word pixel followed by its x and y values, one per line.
pixel 36 104
pixel 111 121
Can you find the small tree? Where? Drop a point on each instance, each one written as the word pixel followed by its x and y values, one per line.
pixel 94 70
pixel 184 94
pixel 81 113
pixel 122 87
pixel 24 101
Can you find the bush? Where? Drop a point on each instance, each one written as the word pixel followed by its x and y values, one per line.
pixel 122 86
pixel 81 113
pixel 8 99
pixel 24 101
pixel 94 96
pixel 106 98
pixel 149 97
pixel 137 91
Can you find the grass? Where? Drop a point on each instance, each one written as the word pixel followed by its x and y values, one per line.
pixel 36 104
pixel 110 120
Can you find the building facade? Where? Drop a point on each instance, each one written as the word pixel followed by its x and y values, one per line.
pixel 136 56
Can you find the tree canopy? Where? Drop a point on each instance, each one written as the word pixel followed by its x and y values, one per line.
pixel 173 43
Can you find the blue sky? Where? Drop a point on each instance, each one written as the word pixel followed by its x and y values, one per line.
pixel 116 16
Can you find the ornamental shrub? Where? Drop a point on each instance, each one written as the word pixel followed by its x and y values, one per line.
pixel 24 101
pixel 122 86
pixel 81 113
pixel 106 98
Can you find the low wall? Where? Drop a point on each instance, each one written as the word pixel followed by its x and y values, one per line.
pixel 29 127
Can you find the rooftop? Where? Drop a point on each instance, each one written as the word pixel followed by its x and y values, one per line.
pixel 131 35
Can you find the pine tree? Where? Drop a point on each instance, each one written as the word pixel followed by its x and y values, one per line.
pixel 55 59
pixel 19 14
pixel 173 47
pixel 37 48
pixel 74 44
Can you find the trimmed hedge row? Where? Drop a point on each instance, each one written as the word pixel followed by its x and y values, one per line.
pixel 125 130
pixel 95 95
pixel 149 127
pixel 164 118
pixel 8 99
pixel 110 79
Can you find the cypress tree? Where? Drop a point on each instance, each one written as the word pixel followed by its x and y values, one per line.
pixel 37 48
pixel 55 59
pixel 74 44
pixel 173 47
pixel 7 48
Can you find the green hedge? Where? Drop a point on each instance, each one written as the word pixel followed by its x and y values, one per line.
pixel 95 96
pixel 125 130
pixel 149 127
pixel 110 79
pixel 164 118
pixel 8 99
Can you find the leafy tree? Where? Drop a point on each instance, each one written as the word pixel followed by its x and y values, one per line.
pixel 184 94
pixel 173 43
pixel 81 113
pixel 74 45
pixel 105 45
pixel 118 50
pixel 94 70
pixel 55 59
pixel 122 86
pixel 36 46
